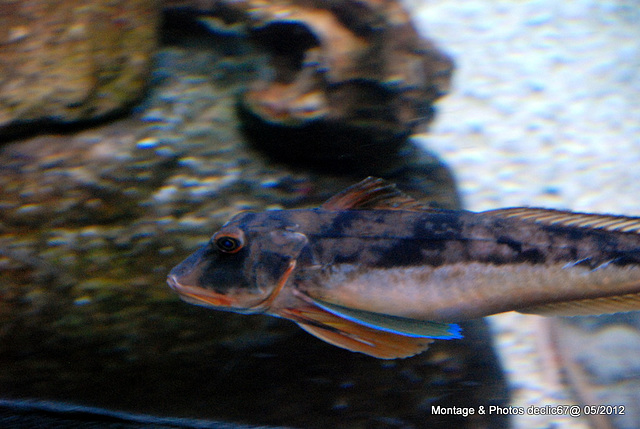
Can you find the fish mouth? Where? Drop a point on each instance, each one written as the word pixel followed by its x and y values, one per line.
pixel 198 296
pixel 207 298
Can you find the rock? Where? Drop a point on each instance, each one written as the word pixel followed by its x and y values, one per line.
pixel 355 83
pixel 67 60
pixel 91 223
pixel 346 82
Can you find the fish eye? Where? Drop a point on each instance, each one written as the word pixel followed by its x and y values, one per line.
pixel 228 244
pixel 229 241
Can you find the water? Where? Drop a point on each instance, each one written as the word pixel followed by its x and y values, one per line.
pixel 543 111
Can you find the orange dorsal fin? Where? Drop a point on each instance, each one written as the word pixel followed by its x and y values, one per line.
pixel 352 336
pixel 372 193
pixel 566 218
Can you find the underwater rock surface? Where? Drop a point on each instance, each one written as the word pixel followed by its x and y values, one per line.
pixel 69 60
pixel 344 81
pixel 92 221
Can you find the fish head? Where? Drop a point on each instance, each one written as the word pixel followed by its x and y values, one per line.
pixel 242 268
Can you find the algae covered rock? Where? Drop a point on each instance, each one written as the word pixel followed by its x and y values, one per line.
pixel 345 83
pixel 92 221
pixel 349 81
pixel 69 60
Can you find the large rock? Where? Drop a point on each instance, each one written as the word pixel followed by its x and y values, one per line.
pixel 69 60
pixel 91 222
pixel 345 83
pixel 350 80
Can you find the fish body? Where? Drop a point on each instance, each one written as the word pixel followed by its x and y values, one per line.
pixel 374 271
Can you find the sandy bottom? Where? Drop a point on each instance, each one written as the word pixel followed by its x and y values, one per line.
pixel 544 111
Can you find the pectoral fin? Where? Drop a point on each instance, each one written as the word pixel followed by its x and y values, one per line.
pixel 355 337
pixel 379 344
pixel 373 336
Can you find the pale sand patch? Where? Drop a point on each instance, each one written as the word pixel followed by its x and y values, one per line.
pixel 544 111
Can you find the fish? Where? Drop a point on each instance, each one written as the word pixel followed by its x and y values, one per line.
pixel 374 271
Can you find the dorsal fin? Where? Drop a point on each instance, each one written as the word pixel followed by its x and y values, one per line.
pixel 372 193
pixel 566 218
